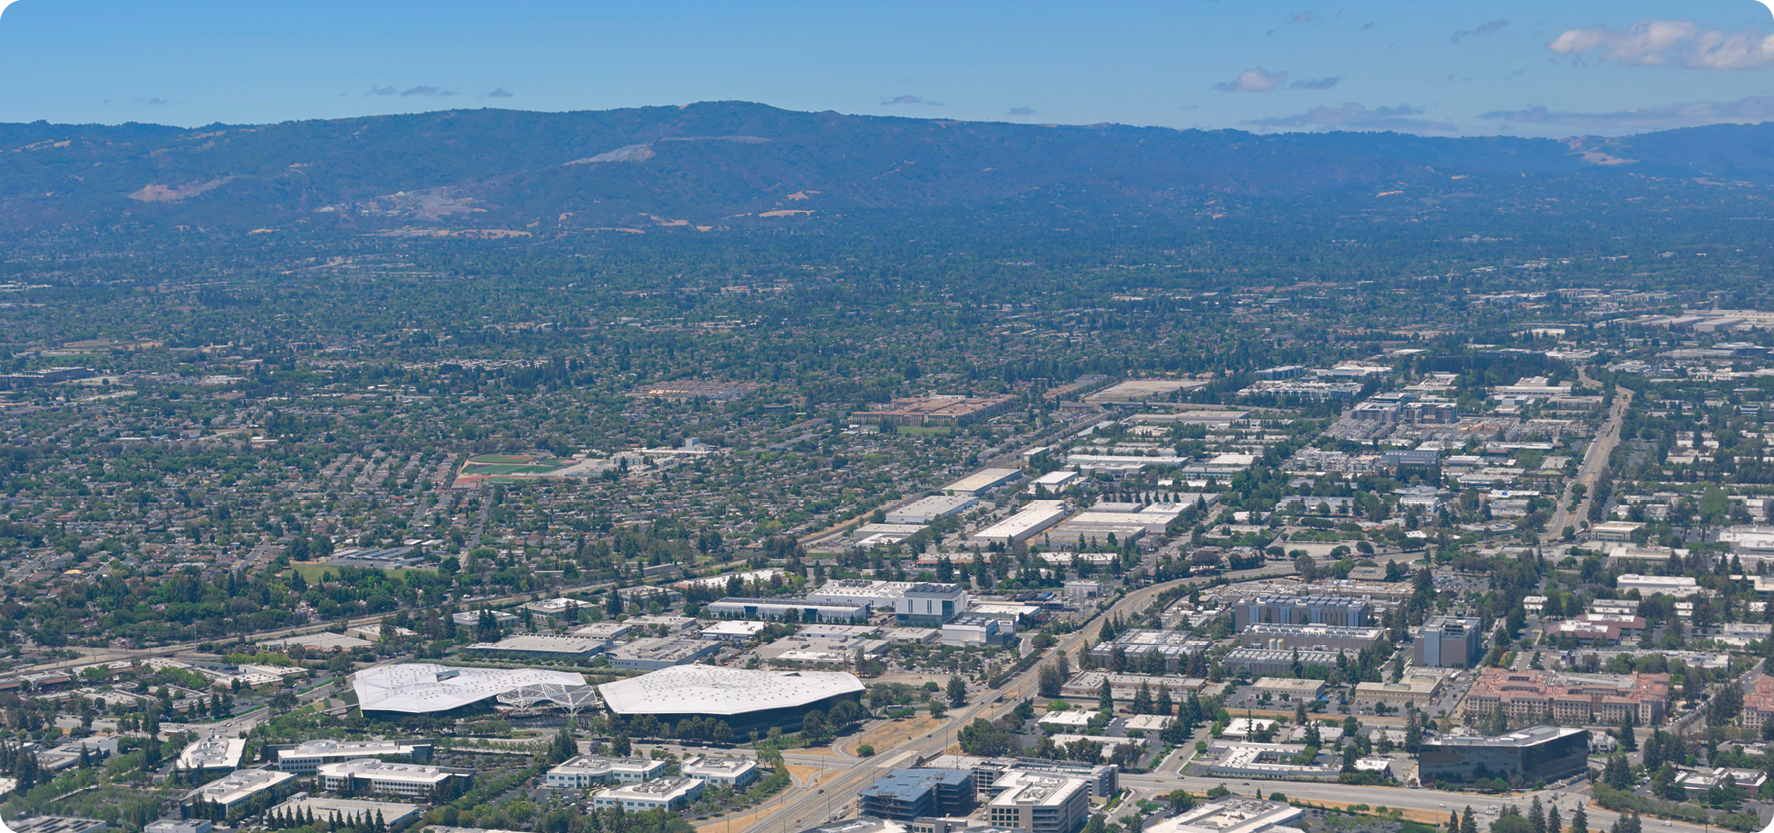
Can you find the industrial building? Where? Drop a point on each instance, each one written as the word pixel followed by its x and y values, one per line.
pixel 1271 635
pixel 1036 517
pixel 929 605
pixel 974 629
pixel 802 610
pixel 1175 647
pixel 861 592
pixel 596 771
pixel 728 772
pixel 423 688
pixel 669 794
pixel 1263 662
pixel 1232 815
pixel 544 646
pixel 309 755
pixel 1300 610
pixel 1541 753
pixel 368 775
pixel 983 481
pixel 929 509
pixel 239 794
pixel 661 652
pixel 745 699
pixel 907 794
pixel 1450 642
pixel 1038 803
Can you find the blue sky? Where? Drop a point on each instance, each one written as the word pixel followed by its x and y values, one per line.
pixel 1429 66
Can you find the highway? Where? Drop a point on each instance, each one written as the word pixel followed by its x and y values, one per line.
pixel 1595 461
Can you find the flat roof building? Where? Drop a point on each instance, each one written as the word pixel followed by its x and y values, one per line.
pixel 415 781
pixel 661 652
pixel 670 794
pixel 544 646
pixel 1300 610
pixel 1417 690
pixel 1271 635
pixel 983 480
pixel 1264 662
pixel 785 607
pixel 1038 803
pixel 1680 587
pixel 242 793
pixel 309 755
pixel 929 605
pixel 974 629
pixel 1088 684
pixel 57 824
pixel 1173 647
pixel 907 794
pixel 395 815
pixel 596 771
pixel 1102 780
pixel 1570 699
pixel 1035 518
pixel 1540 753
pixel 1289 689
pixel 860 592
pixel 730 772
pixel 929 509
pixel 1450 642
pixel 212 754
pixel 1232 815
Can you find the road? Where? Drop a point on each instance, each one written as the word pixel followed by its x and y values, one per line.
pixel 1595 461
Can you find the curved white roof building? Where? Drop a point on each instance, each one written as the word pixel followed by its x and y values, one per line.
pixel 743 698
pixel 423 688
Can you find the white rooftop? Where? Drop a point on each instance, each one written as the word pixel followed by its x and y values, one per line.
pixel 423 688
pixel 715 690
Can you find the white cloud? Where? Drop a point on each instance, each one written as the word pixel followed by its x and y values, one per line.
pixel 1254 80
pixel 1663 43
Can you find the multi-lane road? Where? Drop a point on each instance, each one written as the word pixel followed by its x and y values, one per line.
pixel 1595 461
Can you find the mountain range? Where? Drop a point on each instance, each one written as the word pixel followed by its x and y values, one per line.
pixel 725 165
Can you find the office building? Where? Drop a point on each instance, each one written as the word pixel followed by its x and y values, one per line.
pixel 1450 642
pixel 544 646
pixel 1038 803
pixel 974 629
pixel 1264 662
pixel 179 826
pixel 56 824
pixel 472 618
pixel 670 794
pixel 908 794
pixel 1541 753
pixel 308 756
pixel 596 771
pixel 1300 610
pixel 1680 587
pixel 370 776
pixel 1416 690
pixel 237 795
pixel 745 699
pixel 1172 647
pixel 1232 815
pixel 212 755
pixel 356 810
pixel 728 772
pixel 1122 687
pixel 1100 780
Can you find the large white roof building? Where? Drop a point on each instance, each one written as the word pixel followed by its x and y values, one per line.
pixel 716 691
pixel 423 688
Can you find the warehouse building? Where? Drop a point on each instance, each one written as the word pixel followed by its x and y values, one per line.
pixel 745 699
pixel 1541 753
pixel 787 607
pixel 983 481
pixel 661 652
pixel 1036 517
pixel 929 509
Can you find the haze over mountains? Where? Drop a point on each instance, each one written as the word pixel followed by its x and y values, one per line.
pixel 732 165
